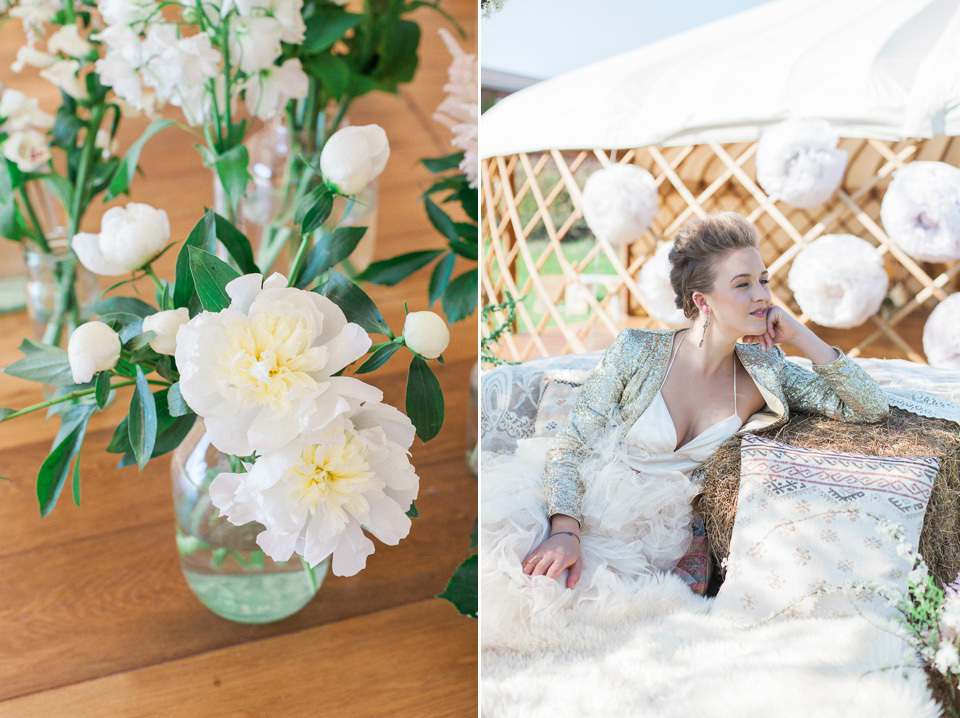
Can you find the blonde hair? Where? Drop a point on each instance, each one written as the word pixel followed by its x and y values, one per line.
pixel 698 247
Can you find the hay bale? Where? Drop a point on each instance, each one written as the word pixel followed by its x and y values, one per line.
pixel 902 433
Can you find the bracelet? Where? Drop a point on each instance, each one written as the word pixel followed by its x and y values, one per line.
pixel 571 533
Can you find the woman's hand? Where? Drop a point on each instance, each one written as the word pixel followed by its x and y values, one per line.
pixel 558 552
pixel 781 329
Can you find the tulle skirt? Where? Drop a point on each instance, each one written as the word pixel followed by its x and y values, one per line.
pixel 636 527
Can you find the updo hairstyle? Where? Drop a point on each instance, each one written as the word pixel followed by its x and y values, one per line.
pixel 698 247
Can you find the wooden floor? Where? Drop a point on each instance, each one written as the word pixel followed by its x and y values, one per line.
pixel 95 616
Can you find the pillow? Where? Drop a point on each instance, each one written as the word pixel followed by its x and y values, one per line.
pixel 809 519
pixel 558 393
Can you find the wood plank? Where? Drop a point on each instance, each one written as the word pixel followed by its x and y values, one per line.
pixel 383 664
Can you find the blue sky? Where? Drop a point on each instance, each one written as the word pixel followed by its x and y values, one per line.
pixel 543 38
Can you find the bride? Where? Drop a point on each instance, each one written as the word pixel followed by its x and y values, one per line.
pixel 607 500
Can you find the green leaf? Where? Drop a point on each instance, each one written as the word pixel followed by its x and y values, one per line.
pixel 326 27
pixel 76 479
pixel 470 201
pixel 127 168
pixel 318 212
pixel 378 358
pixel 467 232
pixel 442 164
pixel 12 223
pixel 120 442
pixel 460 298
pixel 354 303
pixel 203 236
pixel 123 305
pixel 473 537
pixel 464 249
pixel 103 388
pixel 440 220
pixel 175 403
pixel 43 363
pixel 60 187
pixel 440 277
pixel 412 511
pixel 233 173
pixel 142 421
pixel 462 590
pixel 332 71
pixel 4 412
pixel 328 252
pixel 424 400
pixel 236 244
pixel 391 271
pixel 398 54
pixel 53 471
pixel 211 276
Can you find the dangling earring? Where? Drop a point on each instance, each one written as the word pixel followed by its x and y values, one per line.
pixel 705 323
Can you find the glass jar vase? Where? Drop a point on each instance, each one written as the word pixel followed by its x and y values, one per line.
pixel 221 562
pixel 57 288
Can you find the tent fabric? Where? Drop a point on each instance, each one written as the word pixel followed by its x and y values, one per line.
pixel 882 69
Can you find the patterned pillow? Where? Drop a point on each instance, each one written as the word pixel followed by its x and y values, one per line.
pixel 808 520
pixel 558 393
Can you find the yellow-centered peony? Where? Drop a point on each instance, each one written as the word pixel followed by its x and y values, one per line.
pixel 335 474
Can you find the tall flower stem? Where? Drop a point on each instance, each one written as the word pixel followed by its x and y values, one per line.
pixel 40 238
pixel 74 395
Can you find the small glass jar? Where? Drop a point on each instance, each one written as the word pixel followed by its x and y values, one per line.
pixel 57 288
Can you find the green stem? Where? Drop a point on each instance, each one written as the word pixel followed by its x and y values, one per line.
pixel 40 238
pixel 83 171
pixel 75 395
pixel 156 280
pixel 298 259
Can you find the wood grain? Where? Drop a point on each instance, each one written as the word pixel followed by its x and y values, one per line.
pixel 96 616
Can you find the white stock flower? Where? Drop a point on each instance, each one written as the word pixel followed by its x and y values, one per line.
pixel 126 12
pixel 165 325
pixel 67 41
pixel 255 43
pixel 317 495
pixel 64 74
pixel 426 334
pixel 35 14
pixel 947 659
pixel 267 92
pixel 20 112
pixel 28 149
pixel 179 69
pixel 92 347
pixel 289 13
pixel 32 57
pixel 459 110
pixel 260 372
pixel 353 157
pixel 129 238
pixel 120 65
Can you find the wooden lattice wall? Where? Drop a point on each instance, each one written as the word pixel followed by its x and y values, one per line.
pixel 531 216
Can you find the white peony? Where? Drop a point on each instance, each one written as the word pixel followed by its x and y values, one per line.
pixel 92 347
pixel 426 334
pixel 267 92
pixel 941 334
pixel 32 57
pixel 165 325
pixel 67 41
pixel 20 112
pixel 260 372
pixel 28 149
pixel 619 203
pixel 255 43
pixel 129 238
pixel 316 496
pixel 353 157
pixel 798 162
pixel 65 75
pixel 127 12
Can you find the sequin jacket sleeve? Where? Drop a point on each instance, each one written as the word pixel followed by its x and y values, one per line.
pixel 840 390
pixel 601 392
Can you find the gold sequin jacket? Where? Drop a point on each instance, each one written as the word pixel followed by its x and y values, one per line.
pixel 631 371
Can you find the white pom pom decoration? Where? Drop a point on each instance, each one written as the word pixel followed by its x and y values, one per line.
pixel 657 293
pixel 921 211
pixel 798 162
pixel 941 334
pixel 619 203
pixel 838 280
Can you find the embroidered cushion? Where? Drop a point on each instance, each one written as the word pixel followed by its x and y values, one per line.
pixel 807 520
pixel 558 393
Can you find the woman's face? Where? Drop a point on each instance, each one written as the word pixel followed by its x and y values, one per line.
pixel 740 295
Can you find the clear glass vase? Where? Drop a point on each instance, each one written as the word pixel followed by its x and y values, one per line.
pixel 57 288
pixel 221 562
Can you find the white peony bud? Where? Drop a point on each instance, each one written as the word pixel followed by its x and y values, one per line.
pixel 353 157
pixel 28 149
pixel 426 334
pixel 67 41
pixel 64 74
pixel 92 347
pixel 129 238
pixel 31 56
pixel 165 325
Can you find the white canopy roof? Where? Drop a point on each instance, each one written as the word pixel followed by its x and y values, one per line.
pixel 885 69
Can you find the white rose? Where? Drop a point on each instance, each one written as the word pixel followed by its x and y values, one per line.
pixel 129 238
pixel 267 92
pixel 20 112
pixel 426 334
pixel 64 74
pixel 353 157
pixel 28 55
pixel 255 43
pixel 92 347
pixel 165 325
pixel 67 41
pixel 28 148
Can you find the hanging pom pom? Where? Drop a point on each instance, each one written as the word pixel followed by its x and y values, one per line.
pixel 941 334
pixel 921 211
pixel 619 203
pixel 838 280
pixel 657 293
pixel 798 162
